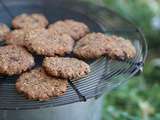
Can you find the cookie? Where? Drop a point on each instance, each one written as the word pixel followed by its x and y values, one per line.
pixel 95 45
pixel 120 48
pixel 15 37
pixel 24 21
pixel 45 43
pixel 69 68
pixel 71 27
pixel 14 60
pixel 92 46
pixel 4 29
pixel 37 85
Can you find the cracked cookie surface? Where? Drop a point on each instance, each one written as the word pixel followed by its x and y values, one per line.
pixel 73 28
pixel 15 60
pixel 95 45
pixel 42 42
pixel 15 37
pixel 37 85
pixel 25 20
pixel 69 68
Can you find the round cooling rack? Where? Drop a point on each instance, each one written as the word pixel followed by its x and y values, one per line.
pixel 105 74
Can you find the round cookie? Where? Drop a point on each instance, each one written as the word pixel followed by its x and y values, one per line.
pixel 34 20
pixel 92 46
pixel 95 45
pixel 42 42
pixel 120 48
pixel 14 60
pixel 37 85
pixel 71 27
pixel 69 68
pixel 4 29
pixel 15 37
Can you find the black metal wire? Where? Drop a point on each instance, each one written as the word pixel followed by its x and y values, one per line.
pixel 81 97
pixel 105 74
pixel 6 9
pixel 69 98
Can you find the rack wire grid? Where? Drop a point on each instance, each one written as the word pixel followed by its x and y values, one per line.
pixel 105 74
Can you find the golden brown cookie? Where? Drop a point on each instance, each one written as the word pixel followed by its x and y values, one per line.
pixel 37 85
pixel 14 60
pixel 69 68
pixel 34 20
pixel 15 37
pixel 4 29
pixel 49 44
pixel 120 48
pixel 92 46
pixel 71 27
pixel 95 45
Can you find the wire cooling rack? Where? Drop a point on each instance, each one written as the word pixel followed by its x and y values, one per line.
pixel 105 74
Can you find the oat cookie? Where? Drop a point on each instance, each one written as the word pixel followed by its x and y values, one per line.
pixel 69 68
pixel 15 37
pixel 71 27
pixel 37 85
pixel 34 20
pixel 49 44
pixel 4 29
pixel 14 60
pixel 95 45
pixel 120 48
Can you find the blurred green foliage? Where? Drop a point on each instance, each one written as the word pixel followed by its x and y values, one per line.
pixel 139 99
pixel 141 12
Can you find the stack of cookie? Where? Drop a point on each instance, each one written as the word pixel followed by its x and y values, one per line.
pixel 33 36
